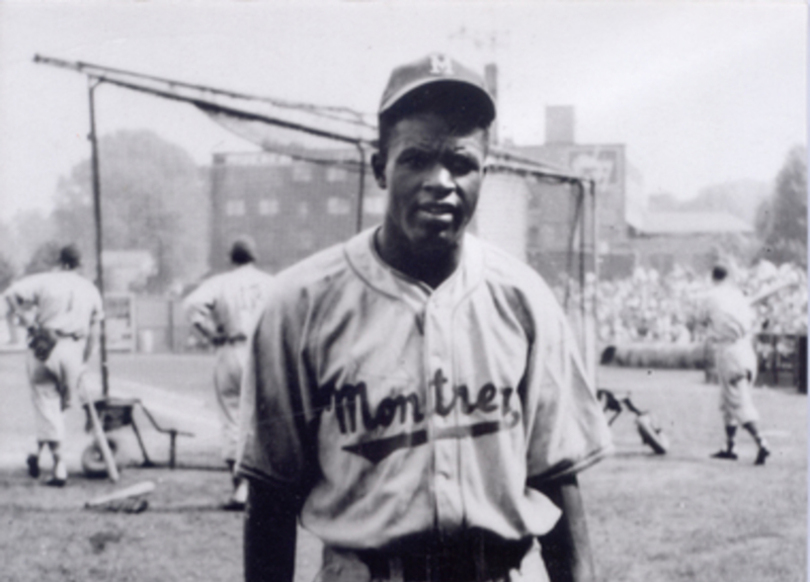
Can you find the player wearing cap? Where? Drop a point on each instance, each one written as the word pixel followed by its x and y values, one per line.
pixel 61 311
pixel 730 320
pixel 224 310
pixel 415 395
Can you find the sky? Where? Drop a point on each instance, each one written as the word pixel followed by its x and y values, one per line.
pixel 699 93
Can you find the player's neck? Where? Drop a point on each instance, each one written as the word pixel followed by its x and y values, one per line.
pixel 429 266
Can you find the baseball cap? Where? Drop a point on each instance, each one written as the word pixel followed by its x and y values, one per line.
pixel 442 79
pixel 243 250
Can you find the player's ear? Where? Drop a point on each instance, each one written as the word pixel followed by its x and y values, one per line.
pixel 378 166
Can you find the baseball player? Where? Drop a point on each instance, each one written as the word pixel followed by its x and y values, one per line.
pixel 415 396
pixel 729 318
pixel 61 310
pixel 225 309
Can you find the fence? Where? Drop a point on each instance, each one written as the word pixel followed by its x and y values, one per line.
pixel 782 360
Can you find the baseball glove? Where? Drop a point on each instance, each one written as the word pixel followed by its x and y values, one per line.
pixel 41 341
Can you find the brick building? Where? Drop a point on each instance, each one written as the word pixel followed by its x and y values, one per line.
pixel 618 190
pixel 294 207
pixel 291 208
pixel 629 235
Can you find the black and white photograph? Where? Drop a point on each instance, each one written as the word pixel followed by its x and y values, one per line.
pixel 387 291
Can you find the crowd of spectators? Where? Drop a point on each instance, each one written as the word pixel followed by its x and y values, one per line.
pixel 650 307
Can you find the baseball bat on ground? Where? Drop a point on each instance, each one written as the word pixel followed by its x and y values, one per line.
pixel 131 491
pixel 98 433
pixel 101 441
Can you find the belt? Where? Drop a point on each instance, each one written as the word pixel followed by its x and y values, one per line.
pixel 477 557
pixel 232 340
pixel 63 335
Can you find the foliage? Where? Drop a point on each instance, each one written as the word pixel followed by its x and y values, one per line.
pixel 152 199
pixel 783 220
pixel 740 198
pixel 7 273
pixel 44 258
pixel 26 232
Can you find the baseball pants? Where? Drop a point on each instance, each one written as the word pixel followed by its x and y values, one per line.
pixel 52 380
pixel 736 370
pixel 230 362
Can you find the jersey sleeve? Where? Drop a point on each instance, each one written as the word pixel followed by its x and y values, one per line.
pixel 22 294
pixel 274 443
pixel 569 431
pixel 199 305
pixel 22 297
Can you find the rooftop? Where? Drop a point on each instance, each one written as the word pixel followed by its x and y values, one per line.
pixel 682 223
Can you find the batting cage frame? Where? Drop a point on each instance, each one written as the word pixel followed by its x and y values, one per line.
pixel 516 189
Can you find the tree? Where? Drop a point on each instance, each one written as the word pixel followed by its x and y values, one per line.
pixel 152 198
pixel 740 198
pixel 783 220
pixel 44 258
pixel 27 231
pixel 7 273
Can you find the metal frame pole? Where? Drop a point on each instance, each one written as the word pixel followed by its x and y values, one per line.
pixel 361 186
pixel 92 85
pixel 595 297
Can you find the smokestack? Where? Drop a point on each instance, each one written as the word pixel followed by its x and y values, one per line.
pixel 491 80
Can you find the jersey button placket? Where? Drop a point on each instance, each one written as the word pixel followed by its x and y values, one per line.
pixel 445 450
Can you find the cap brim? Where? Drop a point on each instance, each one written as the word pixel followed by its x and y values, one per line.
pixel 465 94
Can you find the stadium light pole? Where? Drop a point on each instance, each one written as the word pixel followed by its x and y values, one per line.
pixel 92 85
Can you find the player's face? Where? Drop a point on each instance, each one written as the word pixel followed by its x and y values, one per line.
pixel 433 175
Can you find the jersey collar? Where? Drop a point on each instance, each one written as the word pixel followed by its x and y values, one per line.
pixel 376 273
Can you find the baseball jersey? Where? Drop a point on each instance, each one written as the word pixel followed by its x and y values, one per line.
pixel 729 315
pixel 63 301
pixel 230 303
pixel 396 409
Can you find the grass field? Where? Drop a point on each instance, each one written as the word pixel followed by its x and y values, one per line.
pixel 677 517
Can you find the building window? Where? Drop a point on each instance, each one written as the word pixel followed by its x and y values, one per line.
pixel 334 174
pixel 302 172
pixel 335 205
pixel 268 206
pixel 235 208
pixel 303 209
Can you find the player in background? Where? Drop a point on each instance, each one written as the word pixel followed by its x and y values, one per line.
pixel 416 397
pixel 62 310
pixel 729 319
pixel 224 310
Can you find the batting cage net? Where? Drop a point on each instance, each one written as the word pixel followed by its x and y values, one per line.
pixel 311 186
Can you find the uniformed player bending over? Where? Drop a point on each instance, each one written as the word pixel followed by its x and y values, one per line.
pixel 730 320
pixel 61 310
pixel 417 397
pixel 225 309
